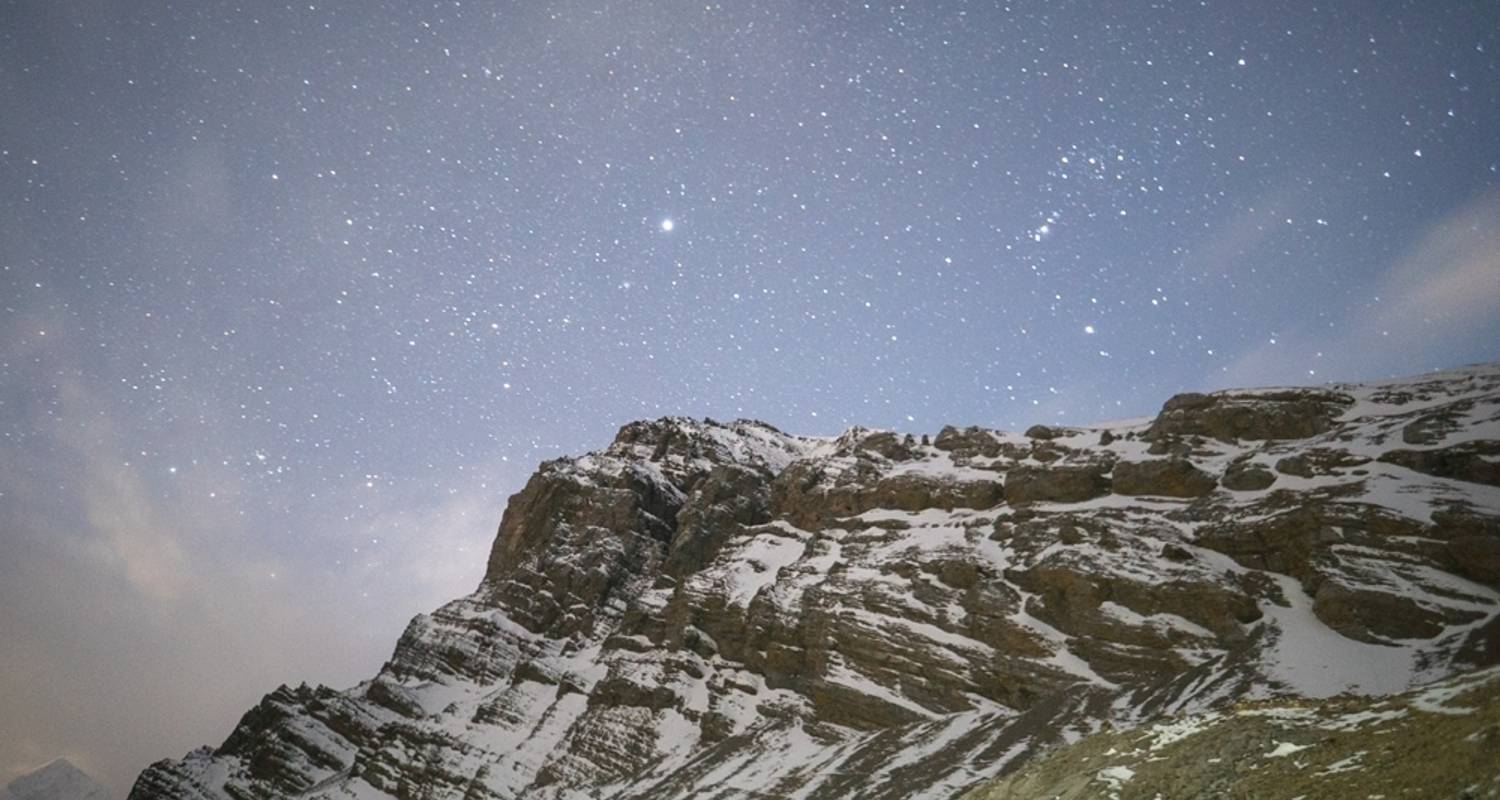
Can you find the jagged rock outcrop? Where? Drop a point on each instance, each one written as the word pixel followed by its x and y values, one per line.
pixel 1287 414
pixel 725 610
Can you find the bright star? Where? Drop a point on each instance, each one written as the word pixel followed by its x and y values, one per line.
pixel 666 224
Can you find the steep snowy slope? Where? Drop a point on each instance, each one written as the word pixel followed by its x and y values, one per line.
pixel 728 611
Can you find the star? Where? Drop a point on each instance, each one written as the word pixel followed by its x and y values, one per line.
pixel 667 225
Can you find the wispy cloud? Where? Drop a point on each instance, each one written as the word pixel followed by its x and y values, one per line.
pixel 1444 288
pixel 1448 282
pixel 134 605
pixel 125 529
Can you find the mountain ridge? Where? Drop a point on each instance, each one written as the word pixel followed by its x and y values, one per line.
pixel 725 610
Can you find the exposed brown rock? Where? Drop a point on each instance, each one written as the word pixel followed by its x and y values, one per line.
pixel 630 502
pixel 1432 427
pixel 1043 432
pixel 1319 461
pixel 1248 476
pixel 1167 477
pixel 1290 414
pixel 809 496
pixel 724 503
pixel 969 441
pixel 886 444
pixel 1372 616
pixel 1476 555
pixel 1296 466
pixel 1476 462
pixel 1055 484
pixel 1069 597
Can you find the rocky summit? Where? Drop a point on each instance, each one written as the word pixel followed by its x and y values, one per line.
pixel 723 610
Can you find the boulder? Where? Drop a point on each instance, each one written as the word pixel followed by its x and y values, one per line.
pixel 1372 616
pixel 911 492
pixel 1289 542
pixel 1319 461
pixel 1296 466
pixel 1477 556
pixel 1173 552
pixel 1290 414
pixel 1434 426
pixel 970 441
pixel 1468 461
pixel 1166 477
pixel 1055 484
pixel 886 444
pixel 1169 446
pixel 1248 476
pixel 1042 432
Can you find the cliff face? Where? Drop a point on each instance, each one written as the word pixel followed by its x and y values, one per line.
pixel 728 611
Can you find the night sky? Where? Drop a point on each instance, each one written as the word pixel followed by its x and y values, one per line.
pixel 293 296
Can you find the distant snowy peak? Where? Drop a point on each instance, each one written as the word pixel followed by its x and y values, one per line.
pixel 58 780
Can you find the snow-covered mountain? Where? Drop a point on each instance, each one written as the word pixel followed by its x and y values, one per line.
pixel 727 611
pixel 58 780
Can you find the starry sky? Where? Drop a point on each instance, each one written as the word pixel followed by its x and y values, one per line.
pixel 292 296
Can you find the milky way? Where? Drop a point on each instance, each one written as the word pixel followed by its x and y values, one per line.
pixel 292 297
